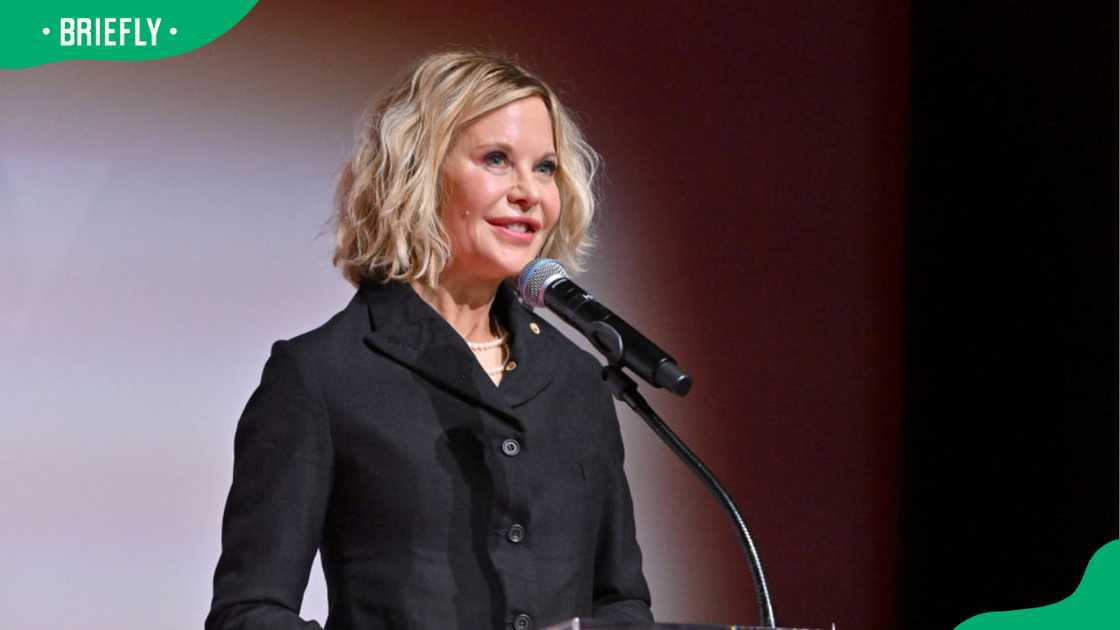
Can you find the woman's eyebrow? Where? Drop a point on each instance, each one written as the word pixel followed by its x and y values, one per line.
pixel 495 145
pixel 503 146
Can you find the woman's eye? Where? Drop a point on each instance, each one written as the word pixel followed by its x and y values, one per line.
pixel 494 158
pixel 547 167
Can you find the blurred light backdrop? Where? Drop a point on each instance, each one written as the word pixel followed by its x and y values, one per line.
pixel 162 223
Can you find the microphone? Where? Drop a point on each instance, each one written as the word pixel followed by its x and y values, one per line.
pixel 544 282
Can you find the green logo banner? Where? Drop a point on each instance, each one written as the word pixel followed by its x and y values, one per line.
pixel 1094 604
pixel 36 33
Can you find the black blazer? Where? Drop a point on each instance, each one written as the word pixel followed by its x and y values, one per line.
pixel 436 499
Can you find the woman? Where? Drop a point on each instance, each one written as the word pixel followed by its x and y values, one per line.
pixel 456 461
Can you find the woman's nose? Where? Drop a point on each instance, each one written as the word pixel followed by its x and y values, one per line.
pixel 523 191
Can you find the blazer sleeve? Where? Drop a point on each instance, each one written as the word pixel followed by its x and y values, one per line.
pixel 273 521
pixel 620 592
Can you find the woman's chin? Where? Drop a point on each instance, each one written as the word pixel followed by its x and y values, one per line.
pixel 491 268
pixel 511 265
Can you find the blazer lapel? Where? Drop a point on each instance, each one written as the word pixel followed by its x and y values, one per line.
pixel 532 349
pixel 407 330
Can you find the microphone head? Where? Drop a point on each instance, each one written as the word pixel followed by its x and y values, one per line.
pixel 536 277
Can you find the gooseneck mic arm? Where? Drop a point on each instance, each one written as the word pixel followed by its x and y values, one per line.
pixel 545 283
pixel 626 390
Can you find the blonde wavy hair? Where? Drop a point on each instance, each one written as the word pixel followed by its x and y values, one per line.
pixel 387 204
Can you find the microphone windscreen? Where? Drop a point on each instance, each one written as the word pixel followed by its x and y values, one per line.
pixel 536 277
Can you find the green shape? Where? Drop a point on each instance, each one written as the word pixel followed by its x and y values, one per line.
pixel 1095 603
pixel 35 33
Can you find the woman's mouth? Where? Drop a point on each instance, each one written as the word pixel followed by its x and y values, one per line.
pixel 518 230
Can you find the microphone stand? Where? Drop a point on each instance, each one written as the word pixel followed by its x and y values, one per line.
pixel 625 389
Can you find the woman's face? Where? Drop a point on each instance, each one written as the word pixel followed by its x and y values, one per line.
pixel 501 199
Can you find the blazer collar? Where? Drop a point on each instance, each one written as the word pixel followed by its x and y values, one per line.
pixel 406 329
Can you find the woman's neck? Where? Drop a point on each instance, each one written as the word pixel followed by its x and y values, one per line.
pixel 465 305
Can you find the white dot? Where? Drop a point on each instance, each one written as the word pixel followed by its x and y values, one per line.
pixel 173 31
pixel 46 30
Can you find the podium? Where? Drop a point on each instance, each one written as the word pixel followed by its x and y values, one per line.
pixel 590 624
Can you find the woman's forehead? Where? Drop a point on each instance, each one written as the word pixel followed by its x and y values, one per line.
pixel 524 123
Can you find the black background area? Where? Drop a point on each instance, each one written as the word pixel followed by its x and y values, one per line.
pixel 1010 437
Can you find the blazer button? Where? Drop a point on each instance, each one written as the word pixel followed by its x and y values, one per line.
pixel 522 622
pixel 511 447
pixel 516 533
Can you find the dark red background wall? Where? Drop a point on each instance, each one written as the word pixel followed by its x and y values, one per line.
pixel 752 225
